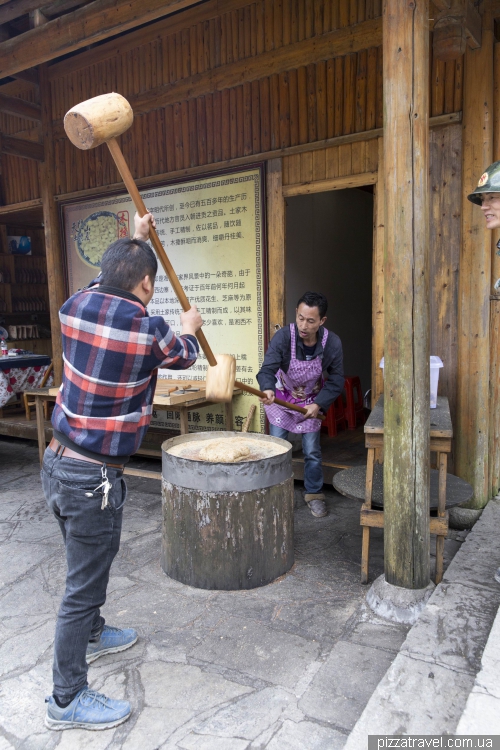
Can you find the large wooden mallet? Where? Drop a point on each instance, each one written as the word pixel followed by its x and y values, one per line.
pixel 101 120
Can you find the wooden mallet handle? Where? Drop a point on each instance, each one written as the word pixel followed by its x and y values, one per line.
pixel 261 394
pixel 127 178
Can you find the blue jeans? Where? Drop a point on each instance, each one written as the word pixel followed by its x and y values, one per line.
pixel 313 471
pixel 92 539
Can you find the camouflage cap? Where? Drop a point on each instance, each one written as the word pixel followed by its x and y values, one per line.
pixel 489 182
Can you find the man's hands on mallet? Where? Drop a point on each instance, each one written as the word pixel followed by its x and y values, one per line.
pixel 142 225
pixel 268 400
pixel 191 321
pixel 312 412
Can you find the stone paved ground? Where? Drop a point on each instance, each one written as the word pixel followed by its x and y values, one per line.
pixel 289 666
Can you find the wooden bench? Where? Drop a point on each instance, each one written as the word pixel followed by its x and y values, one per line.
pixel 164 398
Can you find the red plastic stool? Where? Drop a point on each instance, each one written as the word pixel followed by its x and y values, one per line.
pixel 354 407
pixel 335 418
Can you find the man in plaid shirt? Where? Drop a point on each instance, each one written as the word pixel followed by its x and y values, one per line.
pixel 111 351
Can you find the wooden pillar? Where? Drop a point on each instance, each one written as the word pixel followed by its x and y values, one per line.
pixel 276 245
pixel 473 407
pixel 406 387
pixel 494 434
pixel 53 245
pixel 378 279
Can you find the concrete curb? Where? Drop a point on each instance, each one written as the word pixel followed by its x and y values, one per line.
pixel 482 712
pixel 426 688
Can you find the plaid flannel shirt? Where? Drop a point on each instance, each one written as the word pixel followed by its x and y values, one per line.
pixel 111 351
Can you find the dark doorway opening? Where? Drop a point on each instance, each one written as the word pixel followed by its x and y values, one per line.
pixel 329 249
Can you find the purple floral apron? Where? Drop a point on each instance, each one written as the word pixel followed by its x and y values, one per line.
pixel 301 384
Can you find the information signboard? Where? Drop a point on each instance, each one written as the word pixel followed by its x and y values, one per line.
pixel 211 229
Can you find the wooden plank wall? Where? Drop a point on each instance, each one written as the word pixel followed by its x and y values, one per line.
pixel 445 240
pixel 19 176
pixel 305 103
pixel 329 163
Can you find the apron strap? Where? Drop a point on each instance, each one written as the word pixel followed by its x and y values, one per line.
pixel 292 340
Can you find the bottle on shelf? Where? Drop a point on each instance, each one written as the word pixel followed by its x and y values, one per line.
pixel 3 347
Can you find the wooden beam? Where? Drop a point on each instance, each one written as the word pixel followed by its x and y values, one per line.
pixel 60 6
pixel 24 206
pixel 29 75
pixel 333 44
pixel 19 147
pixel 3 244
pixel 377 378
pixel 98 20
pixel 406 294
pixel 473 28
pixel 473 394
pixel 276 245
pixel 495 234
pixel 494 434
pixel 52 229
pixel 162 28
pixel 11 105
pixel 16 8
pixel 335 183
pixel 434 122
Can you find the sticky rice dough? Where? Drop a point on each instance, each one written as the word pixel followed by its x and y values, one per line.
pixel 224 451
pixel 227 450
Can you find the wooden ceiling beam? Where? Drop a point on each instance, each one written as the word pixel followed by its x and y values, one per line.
pixel 30 75
pixel 98 20
pixel 60 6
pixel 16 8
pixel 473 26
pixel 19 147
pixel 162 28
pixel 11 105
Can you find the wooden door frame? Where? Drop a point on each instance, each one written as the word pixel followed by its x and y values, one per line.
pixel 276 213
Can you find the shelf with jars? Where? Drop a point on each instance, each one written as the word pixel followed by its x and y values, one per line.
pixel 23 284
pixel 24 294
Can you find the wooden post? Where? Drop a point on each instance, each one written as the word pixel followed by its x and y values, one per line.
pixel 494 434
pixel 276 245
pixel 378 279
pixel 406 351
pixel 473 406
pixel 53 245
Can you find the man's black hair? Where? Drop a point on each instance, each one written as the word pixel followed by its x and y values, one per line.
pixel 126 262
pixel 315 299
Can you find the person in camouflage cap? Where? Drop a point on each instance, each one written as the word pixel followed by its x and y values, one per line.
pixel 487 195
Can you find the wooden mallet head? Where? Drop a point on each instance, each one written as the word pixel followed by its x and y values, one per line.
pixel 221 378
pixel 97 120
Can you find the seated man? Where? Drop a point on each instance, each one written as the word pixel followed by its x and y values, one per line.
pixel 304 366
pixel 111 352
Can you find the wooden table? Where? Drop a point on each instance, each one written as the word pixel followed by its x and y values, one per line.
pixel 164 398
pixel 441 433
